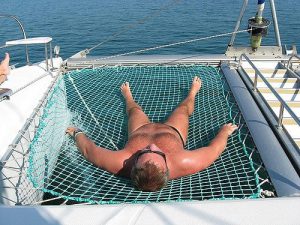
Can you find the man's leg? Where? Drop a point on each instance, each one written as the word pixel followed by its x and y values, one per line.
pixel 179 118
pixel 136 116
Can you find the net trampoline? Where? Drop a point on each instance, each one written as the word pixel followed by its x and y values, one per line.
pixel 91 99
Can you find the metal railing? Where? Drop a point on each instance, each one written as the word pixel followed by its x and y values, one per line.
pixel 283 104
pixel 286 65
pixel 290 60
pixel 23 32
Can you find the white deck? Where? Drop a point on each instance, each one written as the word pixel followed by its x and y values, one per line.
pixel 286 86
pixel 16 110
pixel 19 108
pixel 281 211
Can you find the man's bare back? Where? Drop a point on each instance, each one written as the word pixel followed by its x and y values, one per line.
pixel 166 138
pixel 159 144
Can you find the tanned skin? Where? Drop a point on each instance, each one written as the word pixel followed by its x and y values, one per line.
pixel 4 68
pixel 159 137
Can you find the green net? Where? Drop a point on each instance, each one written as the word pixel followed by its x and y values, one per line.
pixel 91 99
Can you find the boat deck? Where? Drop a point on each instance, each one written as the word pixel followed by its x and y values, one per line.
pixel 28 84
pixel 288 88
pixel 252 211
pixel 286 184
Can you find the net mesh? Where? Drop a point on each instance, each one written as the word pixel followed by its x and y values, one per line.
pixel 91 99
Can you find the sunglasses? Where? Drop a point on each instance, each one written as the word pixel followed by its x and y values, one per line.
pixel 144 151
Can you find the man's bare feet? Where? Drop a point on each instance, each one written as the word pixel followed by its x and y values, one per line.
pixel 4 66
pixel 2 78
pixel 196 85
pixel 125 89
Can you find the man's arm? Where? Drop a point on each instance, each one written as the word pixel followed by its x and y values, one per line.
pixel 200 159
pixel 111 161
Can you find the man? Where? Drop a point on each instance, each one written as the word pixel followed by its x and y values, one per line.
pixel 154 152
pixel 4 68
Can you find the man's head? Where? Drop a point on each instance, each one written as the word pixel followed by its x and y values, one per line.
pixel 150 171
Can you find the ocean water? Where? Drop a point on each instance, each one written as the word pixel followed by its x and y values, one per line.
pixel 75 25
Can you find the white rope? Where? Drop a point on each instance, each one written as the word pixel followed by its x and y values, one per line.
pixel 44 201
pixel 172 44
pixel 267 193
pixel 90 112
pixel 32 82
pixel 26 85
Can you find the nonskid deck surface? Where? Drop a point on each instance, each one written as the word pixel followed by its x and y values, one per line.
pixel 287 86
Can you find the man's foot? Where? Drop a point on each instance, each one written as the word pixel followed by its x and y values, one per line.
pixel 4 66
pixel 196 85
pixel 125 89
pixel 2 78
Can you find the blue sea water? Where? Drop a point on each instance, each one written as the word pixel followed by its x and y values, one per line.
pixel 75 25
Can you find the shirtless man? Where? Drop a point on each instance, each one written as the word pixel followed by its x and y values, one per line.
pixel 154 152
pixel 4 68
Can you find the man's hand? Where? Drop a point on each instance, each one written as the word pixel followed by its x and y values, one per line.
pixel 70 130
pixel 229 128
pixel 111 161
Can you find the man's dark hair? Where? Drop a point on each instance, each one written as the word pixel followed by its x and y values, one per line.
pixel 149 177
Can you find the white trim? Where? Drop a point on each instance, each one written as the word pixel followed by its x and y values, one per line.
pixel 28 41
pixel 252 211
